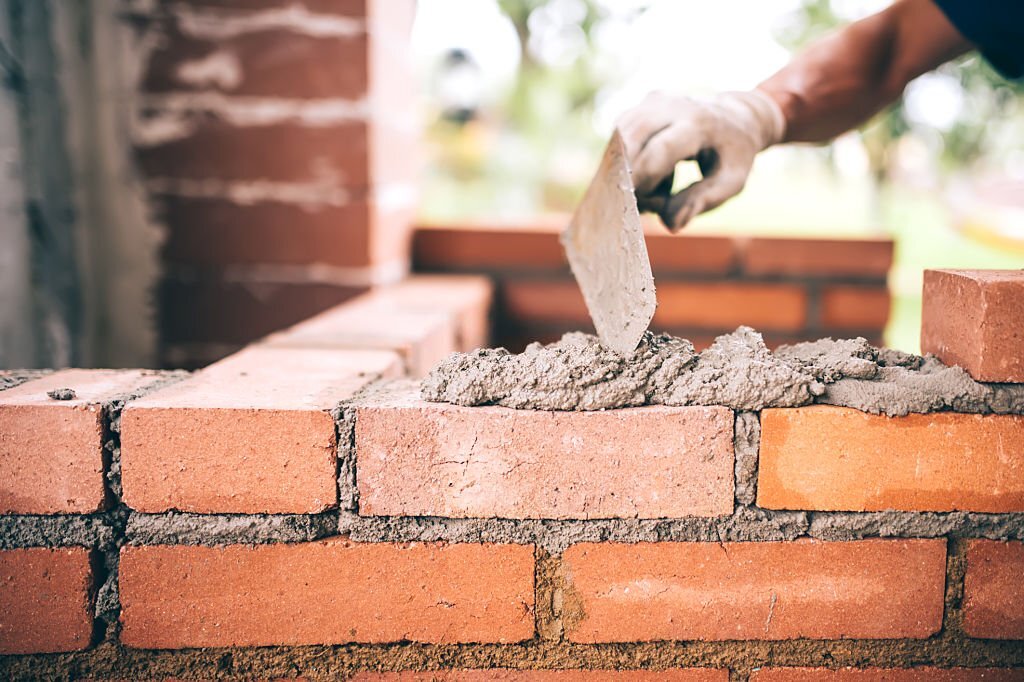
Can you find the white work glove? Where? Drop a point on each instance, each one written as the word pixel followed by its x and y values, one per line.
pixel 722 134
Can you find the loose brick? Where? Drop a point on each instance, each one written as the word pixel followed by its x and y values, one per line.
pixel 422 337
pixel 829 258
pixel 922 674
pixel 45 600
pixel 467 297
pixel 754 590
pixel 328 592
pixel 711 305
pixel 993 593
pixel 537 247
pixel 836 458
pixel 975 319
pixel 51 451
pixel 854 308
pixel 221 232
pixel 212 309
pixel 431 459
pixel 249 434
pixel 671 675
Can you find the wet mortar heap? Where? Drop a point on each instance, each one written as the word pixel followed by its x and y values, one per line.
pixel 737 370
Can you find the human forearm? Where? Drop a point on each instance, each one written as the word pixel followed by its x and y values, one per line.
pixel 845 78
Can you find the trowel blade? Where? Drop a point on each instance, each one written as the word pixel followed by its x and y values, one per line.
pixel 606 249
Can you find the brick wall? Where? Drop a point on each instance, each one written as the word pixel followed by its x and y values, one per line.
pixel 789 289
pixel 277 139
pixel 295 510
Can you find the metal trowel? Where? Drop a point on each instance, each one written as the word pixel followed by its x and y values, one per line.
pixel 606 249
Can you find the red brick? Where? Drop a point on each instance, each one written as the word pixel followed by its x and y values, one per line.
pixel 432 459
pixel 266 63
pixel 467 297
pixel 993 592
pixel 219 232
pixel 975 319
pixel 838 458
pixel 708 305
pixel 854 308
pixel 922 674
pixel 327 592
pixel 45 600
pixel 671 675
pixel 51 451
pixel 829 258
pixel 210 309
pixel 754 590
pixel 536 247
pixel 421 337
pixel 249 434
pixel 342 153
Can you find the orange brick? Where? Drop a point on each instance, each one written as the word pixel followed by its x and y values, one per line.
pixel 51 451
pixel 922 674
pixel 536 247
pixel 327 592
pixel 975 319
pixel 671 675
pixel 249 434
pixel 422 337
pixel 836 458
pixel 45 600
pixel 711 305
pixel 854 308
pixel 754 590
pixel 474 247
pixel 431 459
pixel 993 592
pixel 467 297
pixel 868 258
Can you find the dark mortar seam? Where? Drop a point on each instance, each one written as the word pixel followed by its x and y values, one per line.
pixel 108 601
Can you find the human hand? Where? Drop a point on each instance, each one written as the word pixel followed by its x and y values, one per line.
pixel 723 134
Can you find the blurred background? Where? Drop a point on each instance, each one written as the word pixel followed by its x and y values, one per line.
pixel 184 176
pixel 523 94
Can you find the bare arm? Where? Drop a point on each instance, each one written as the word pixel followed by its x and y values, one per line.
pixel 845 78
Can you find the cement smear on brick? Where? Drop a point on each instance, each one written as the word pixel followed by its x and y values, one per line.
pixel 737 370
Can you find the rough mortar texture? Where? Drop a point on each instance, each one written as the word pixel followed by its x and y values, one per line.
pixel 554 536
pixel 746 439
pixel 179 528
pixel 843 526
pixel 737 370
pixel 16 377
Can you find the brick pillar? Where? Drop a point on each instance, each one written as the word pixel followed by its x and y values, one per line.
pixel 278 142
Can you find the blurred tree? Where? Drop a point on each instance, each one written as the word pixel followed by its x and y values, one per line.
pixel 984 97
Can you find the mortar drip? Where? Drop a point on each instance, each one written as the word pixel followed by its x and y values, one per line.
pixel 737 371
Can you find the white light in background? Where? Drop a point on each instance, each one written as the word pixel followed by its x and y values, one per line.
pixel 476 26
pixel 934 99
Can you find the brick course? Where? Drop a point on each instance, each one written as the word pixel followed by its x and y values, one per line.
pixel 836 458
pixel 429 459
pixel 760 590
pixel 328 592
pixel 45 600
